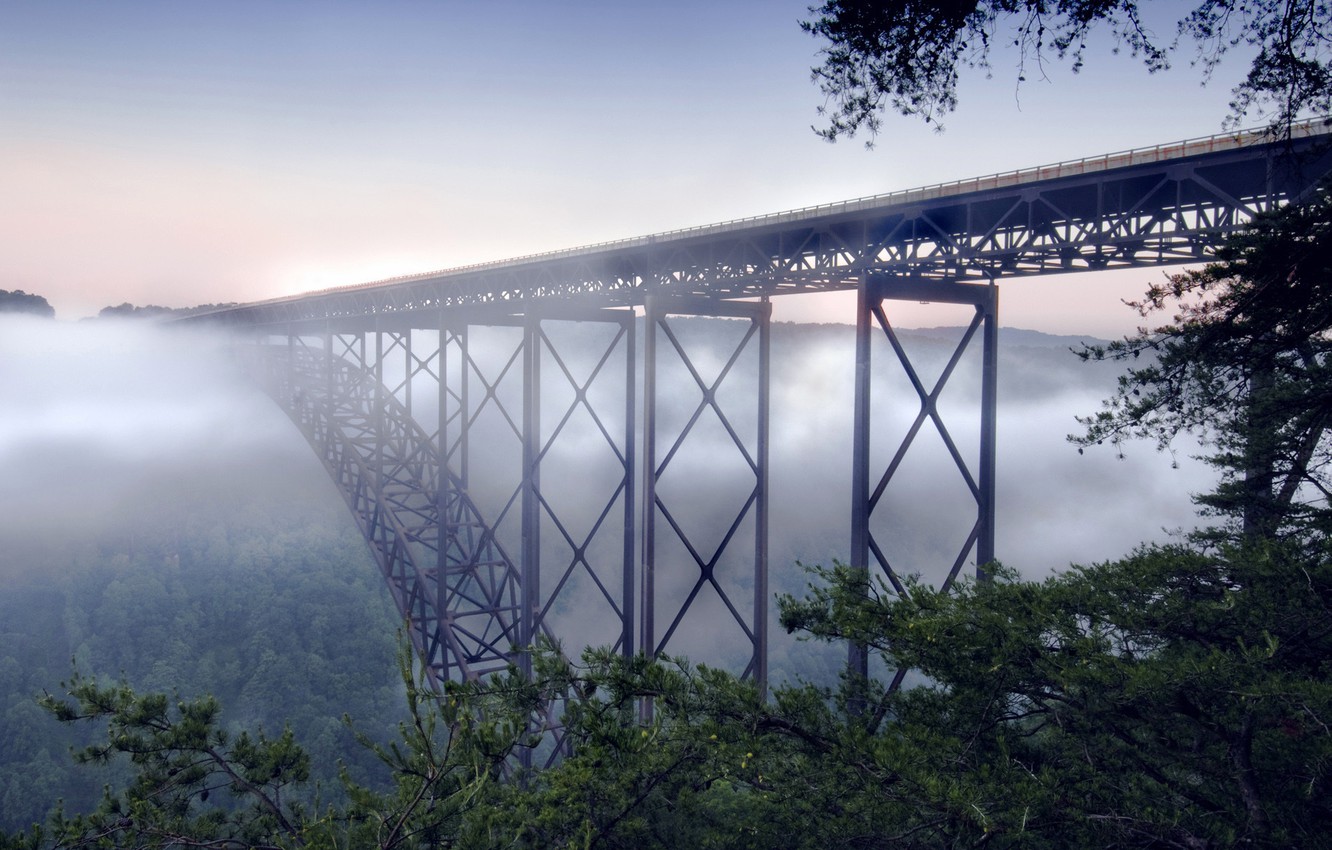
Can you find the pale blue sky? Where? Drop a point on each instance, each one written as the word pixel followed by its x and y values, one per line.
pixel 181 152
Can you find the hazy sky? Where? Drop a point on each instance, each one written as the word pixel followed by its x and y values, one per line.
pixel 179 153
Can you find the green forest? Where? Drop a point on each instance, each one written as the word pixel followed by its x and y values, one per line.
pixel 269 607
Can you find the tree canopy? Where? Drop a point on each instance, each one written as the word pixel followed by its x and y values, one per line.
pixel 905 57
pixel 1170 699
pixel 1245 364
pixel 19 301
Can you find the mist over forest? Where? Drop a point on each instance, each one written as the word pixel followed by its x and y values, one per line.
pixel 164 521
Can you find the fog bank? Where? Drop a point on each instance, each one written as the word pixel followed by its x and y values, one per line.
pixel 110 425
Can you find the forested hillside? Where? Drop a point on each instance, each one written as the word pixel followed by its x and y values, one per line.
pixel 171 528
pixel 165 524
pixel 270 603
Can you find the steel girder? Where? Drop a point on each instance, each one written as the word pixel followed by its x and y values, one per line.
pixel 710 557
pixel 1162 205
pixel 453 583
pixel 977 471
pixel 382 408
pixel 556 389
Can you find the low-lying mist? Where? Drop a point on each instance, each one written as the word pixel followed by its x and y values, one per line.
pixel 111 426
pixel 115 426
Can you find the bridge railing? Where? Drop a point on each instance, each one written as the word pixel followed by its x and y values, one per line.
pixel 1005 179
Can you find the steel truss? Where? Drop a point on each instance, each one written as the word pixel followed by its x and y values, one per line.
pixel 577 547
pixel 440 560
pixel 471 604
pixel 705 568
pixel 977 474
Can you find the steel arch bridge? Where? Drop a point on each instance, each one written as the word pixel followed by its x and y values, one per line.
pixel 389 383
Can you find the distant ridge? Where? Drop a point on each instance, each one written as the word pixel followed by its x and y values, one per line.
pixel 1013 336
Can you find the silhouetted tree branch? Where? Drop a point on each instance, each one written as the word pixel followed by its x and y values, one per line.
pixel 905 57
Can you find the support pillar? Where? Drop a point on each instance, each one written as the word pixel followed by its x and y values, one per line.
pixel 705 571
pixel 979 544
pixel 531 484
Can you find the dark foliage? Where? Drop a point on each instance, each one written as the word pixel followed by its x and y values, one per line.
pixel 274 611
pixel 1246 364
pixel 906 56
pixel 19 301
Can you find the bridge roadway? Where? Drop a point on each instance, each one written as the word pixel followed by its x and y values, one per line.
pixel 1150 206
pixel 416 419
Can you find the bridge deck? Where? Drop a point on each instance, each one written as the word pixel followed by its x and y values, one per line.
pixel 1149 206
